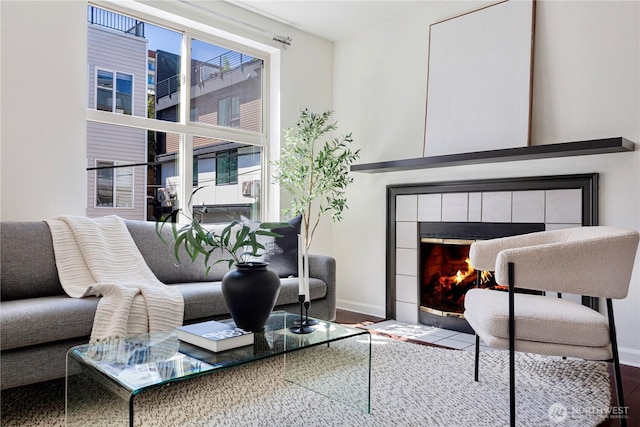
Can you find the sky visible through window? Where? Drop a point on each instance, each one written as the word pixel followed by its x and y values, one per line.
pixel 170 41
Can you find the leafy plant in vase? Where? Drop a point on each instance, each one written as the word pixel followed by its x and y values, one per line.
pixel 250 289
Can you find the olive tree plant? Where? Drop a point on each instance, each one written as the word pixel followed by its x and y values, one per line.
pixel 314 169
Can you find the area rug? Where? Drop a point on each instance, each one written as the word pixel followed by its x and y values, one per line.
pixel 411 385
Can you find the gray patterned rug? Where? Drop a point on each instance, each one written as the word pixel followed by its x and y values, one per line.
pixel 411 385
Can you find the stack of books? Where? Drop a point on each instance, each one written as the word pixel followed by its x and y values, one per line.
pixel 214 336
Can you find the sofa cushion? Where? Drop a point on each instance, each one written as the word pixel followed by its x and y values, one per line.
pixel 161 260
pixel 27 261
pixel 42 320
pixel 204 299
pixel 289 290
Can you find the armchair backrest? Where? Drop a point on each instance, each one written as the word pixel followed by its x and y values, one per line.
pixel 595 261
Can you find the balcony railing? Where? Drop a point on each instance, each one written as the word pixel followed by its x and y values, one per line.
pixel 218 66
pixel 168 87
pixel 115 21
pixel 204 71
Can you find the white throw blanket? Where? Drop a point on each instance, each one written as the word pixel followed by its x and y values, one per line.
pixel 99 257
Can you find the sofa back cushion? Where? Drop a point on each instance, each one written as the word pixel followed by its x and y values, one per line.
pixel 161 259
pixel 27 261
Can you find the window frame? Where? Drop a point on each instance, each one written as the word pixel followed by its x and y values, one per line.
pixel 115 166
pixel 267 139
pixel 231 173
pixel 114 89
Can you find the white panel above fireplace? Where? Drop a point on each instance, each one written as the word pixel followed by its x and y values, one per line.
pixel 563 206
pixel 528 206
pixel 455 207
pixel 496 206
pixel 430 207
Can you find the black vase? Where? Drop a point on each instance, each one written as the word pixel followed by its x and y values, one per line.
pixel 250 291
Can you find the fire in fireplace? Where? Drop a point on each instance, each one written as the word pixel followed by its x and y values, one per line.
pixel 446 274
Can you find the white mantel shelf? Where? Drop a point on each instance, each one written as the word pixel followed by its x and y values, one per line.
pixel 566 149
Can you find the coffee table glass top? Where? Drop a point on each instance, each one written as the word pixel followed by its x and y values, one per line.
pixel 146 361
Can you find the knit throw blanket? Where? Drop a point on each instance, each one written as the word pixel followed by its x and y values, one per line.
pixel 99 257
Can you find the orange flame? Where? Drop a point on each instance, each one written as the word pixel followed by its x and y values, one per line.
pixel 461 275
pixel 485 276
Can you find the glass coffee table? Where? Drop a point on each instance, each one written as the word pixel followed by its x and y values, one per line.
pixel 333 360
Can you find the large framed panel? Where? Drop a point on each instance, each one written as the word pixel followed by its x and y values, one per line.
pixel 480 80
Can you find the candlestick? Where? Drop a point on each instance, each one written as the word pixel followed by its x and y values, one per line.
pixel 300 267
pixel 306 274
pixel 307 321
pixel 301 328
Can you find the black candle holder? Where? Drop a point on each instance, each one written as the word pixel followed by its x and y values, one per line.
pixel 301 327
pixel 307 321
pixel 304 320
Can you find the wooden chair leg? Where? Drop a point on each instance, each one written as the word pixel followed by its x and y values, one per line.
pixel 616 361
pixel 477 362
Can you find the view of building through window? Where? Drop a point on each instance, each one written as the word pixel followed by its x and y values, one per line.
pixel 135 70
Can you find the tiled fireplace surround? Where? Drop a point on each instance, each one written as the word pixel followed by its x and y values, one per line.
pixel 554 201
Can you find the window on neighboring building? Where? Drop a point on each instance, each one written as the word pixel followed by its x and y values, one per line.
pixel 229 112
pixel 119 100
pixel 114 185
pixel 227 167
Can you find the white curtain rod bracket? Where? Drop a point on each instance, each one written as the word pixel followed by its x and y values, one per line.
pixel 285 40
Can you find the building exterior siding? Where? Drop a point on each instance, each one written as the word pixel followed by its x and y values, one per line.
pixel 119 52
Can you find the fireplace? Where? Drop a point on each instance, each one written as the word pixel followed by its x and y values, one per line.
pixel 445 273
pixel 439 221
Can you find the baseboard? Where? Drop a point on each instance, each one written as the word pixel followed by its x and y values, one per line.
pixel 371 310
pixel 629 356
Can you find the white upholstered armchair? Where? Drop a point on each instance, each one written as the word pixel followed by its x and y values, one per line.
pixel 591 261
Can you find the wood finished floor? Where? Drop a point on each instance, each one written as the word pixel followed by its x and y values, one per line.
pixel 630 374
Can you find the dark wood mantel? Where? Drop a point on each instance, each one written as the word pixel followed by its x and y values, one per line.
pixel 566 149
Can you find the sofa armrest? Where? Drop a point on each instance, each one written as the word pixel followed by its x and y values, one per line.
pixel 323 267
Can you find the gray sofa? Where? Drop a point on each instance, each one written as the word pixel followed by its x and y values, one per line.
pixel 39 322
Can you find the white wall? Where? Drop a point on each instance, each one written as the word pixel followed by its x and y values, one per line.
pixel 43 136
pixel 586 86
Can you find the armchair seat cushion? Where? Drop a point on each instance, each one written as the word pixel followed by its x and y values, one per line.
pixel 538 319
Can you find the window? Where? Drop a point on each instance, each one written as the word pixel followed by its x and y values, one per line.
pixel 229 112
pixel 114 185
pixel 118 100
pixel 227 167
pixel 221 77
pixel 191 109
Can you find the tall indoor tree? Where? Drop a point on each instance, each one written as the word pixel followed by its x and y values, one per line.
pixel 314 169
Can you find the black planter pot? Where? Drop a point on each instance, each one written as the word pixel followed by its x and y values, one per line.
pixel 250 291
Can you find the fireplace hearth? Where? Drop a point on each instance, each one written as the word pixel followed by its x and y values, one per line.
pixel 441 219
